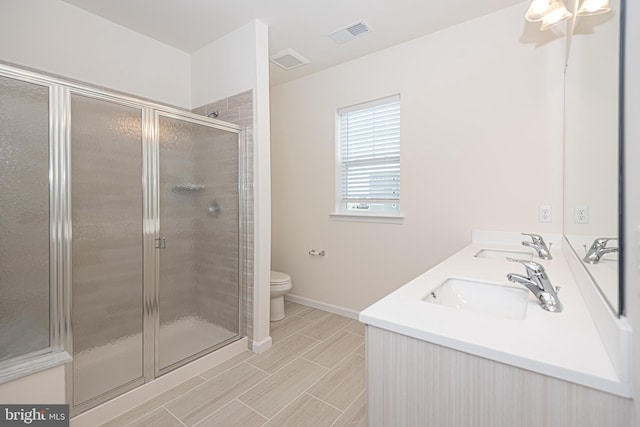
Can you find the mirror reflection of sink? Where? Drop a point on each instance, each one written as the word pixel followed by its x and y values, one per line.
pixel 481 297
pixel 502 254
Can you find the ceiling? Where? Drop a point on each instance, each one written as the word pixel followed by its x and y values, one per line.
pixel 302 25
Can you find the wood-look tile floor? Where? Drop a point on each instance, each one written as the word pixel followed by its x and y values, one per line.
pixel 313 375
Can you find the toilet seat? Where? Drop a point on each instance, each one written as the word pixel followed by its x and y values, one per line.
pixel 278 278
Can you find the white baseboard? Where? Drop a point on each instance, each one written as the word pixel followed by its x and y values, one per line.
pixel 341 311
pixel 260 346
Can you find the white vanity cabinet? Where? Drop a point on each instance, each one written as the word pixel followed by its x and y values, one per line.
pixel 447 364
pixel 411 382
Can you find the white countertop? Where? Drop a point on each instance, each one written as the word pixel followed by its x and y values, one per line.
pixel 563 345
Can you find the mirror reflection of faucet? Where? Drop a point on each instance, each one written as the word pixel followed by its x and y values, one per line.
pixel 598 249
pixel 538 244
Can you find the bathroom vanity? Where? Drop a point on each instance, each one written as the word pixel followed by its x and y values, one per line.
pixel 461 345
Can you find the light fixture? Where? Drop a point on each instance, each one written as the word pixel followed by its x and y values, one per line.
pixel 555 16
pixel 538 9
pixel 593 7
pixel 550 12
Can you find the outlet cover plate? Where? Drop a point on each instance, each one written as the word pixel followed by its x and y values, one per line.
pixel 581 215
pixel 544 213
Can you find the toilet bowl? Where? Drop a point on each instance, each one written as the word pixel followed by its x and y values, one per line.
pixel 280 285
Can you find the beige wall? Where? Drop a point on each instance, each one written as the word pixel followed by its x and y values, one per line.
pixel 481 132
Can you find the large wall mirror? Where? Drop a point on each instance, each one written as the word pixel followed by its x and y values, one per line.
pixel 592 170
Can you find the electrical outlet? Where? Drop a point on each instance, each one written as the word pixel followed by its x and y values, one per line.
pixel 544 213
pixel 581 215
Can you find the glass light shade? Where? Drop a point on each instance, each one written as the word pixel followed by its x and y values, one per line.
pixel 593 7
pixel 538 9
pixel 555 16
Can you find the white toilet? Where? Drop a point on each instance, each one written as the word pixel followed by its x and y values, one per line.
pixel 280 285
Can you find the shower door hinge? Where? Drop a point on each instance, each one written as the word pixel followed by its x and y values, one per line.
pixel 161 243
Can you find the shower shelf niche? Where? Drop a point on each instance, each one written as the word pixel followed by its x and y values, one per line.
pixel 189 187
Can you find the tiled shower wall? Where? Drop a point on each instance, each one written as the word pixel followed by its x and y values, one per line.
pixel 237 109
pixel 217 242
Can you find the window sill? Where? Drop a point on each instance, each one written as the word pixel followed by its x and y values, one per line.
pixel 384 219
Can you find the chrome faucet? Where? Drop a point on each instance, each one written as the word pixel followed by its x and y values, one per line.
pixel 598 249
pixel 538 245
pixel 538 283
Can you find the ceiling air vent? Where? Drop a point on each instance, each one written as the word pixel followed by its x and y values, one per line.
pixel 350 32
pixel 288 59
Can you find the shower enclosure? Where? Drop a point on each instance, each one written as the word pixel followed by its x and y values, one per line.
pixel 132 209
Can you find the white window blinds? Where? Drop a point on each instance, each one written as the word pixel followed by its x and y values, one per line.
pixel 369 150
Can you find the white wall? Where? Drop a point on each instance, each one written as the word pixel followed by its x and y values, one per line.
pixel 56 37
pixel 225 67
pixel 481 132
pixel 632 188
pixel 233 64
pixel 591 126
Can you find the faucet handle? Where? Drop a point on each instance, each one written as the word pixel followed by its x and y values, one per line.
pixel 535 237
pixel 602 241
pixel 531 266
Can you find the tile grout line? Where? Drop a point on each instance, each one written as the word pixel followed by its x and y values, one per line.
pixel 175 416
pixel 353 333
pixel 312 346
pixel 327 403
pixel 226 370
pixel 316 344
pixel 156 407
pixel 296 397
pixel 341 329
pixel 330 370
pixel 185 392
pixel 337 363
pixel 253 410
pixel 261 370
pixel 350 405
pixel 297 331
pixel 244 404
pixel 236 398
pixel 218 410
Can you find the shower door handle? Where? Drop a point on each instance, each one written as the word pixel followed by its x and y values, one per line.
pixel 161 243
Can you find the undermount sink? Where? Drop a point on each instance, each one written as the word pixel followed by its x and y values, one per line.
pixel 502 254
pixel 481 297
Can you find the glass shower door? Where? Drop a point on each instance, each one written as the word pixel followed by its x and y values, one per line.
pixel 24 218
pixel 107 304
pixel 199 239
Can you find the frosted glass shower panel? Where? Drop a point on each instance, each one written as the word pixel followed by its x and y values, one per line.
pixel 106 158
pixel 24 218
pixel 199 267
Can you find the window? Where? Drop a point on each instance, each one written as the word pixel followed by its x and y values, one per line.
pixel 368 158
